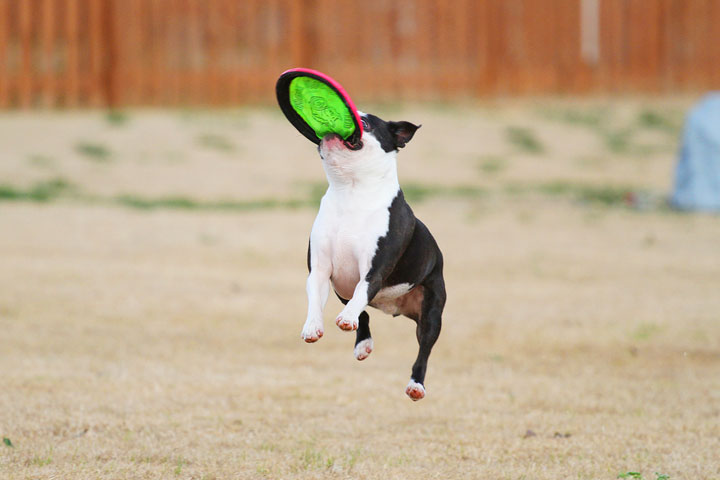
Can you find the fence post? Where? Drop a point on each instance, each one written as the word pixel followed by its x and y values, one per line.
pixel 302 36
pixel 110 16
pixel 26 79
pixel 4 75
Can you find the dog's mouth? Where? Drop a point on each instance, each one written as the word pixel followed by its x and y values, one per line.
pixel 335 140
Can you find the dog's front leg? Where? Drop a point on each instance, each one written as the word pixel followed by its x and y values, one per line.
pixel 365 290
pixel 318 289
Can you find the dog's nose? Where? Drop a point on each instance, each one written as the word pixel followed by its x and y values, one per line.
pixel 330 136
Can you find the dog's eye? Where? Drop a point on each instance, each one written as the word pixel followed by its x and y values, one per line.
pixel 365 124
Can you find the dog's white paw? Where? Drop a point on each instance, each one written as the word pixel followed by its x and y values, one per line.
pixel 312 332
pixel 346 323
pixel 363 349
pixel 415 391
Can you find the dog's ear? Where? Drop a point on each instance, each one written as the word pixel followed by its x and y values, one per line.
pixel 402 132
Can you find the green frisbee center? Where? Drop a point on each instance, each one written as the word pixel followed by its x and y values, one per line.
pixel 321 107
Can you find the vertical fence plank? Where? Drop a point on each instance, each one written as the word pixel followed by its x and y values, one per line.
pixel 423 48
pixel 610 43
pixel 702 46
pixel 194 43
pixel 145 53
pixel 346 60
pixel 235 53
pixel 252 43
pixel 570 73
pixel 47 64
pixel 224 45
pixel 649 52
pixel 180 43
pixel 273 29
pixel 713 42
pixel 153 47
pixel 484 44
pixel 110 73
pixel 458 48
pixel 96 44
pixel 211 55
pixel 4 67
pixel 172 46
pixel 27 72
pixel 296 32
pixel 72 57
pixel 475 45
pixel 526 48
pixel 678 42
pixel 661 46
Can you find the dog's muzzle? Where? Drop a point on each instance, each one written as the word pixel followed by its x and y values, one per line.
pixel 330 137
pixel 353 146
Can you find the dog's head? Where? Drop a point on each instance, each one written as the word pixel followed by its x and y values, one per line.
pixel 374 154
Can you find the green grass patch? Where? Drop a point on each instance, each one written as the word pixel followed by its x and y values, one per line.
pixel 93 151
pixel 216 142
pixel 180 462
pixel 42 460
pixel 414 192
pixel 116 118
pixel 492 164
pixel 591 117
pixel 607 195
pixel 669 122
pixel 645 331
pixel 42 161
pixel 315 459
pixel 622 142
pixel 317 190
pixel 639 476
pixel 186 203
pixel 418 192
pixel 55 189
pixel 40 192
pixel 524 139
pixel 618 141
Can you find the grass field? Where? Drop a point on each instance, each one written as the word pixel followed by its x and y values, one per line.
pixel 152 297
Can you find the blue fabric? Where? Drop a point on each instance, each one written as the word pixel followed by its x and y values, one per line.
pixel 697 175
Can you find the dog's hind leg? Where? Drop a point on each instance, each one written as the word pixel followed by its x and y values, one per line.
pixel 363 339
pixel 427 331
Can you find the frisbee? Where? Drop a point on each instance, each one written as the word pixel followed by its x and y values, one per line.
pixel 317 105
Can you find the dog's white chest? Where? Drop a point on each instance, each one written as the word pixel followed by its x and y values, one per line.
pixel 347 230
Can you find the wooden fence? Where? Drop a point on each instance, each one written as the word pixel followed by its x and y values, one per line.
pixel 76 53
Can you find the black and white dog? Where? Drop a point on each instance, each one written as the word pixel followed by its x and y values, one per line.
pixel 367 242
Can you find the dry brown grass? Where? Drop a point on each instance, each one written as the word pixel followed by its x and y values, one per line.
pixel 165 343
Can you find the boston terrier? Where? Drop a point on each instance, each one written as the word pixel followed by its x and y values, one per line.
pixel 368 244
